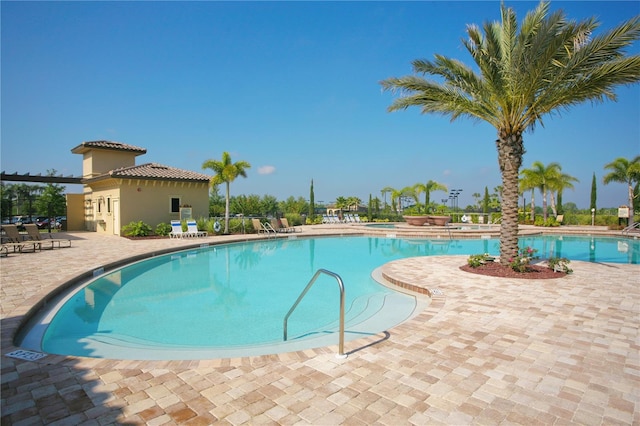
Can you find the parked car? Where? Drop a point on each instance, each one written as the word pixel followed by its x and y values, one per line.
pixel 43 223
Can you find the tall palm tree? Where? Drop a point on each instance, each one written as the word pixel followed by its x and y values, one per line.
pixel 526 72
pixel 558 184
pixel 541 177
pixel 396 195
pixel 428 188
pixel 625 171
pixel 226 172
pixel 384 191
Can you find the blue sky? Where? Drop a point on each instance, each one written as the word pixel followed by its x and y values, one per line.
pixel 290 87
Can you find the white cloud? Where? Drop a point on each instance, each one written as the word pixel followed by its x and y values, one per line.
pixel 266 170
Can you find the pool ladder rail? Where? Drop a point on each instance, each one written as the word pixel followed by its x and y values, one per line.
pixel 340 353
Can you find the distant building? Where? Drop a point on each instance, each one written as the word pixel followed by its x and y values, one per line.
pixel 116 191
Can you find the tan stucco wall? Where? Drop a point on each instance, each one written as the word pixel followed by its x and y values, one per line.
pixel 75 212
pixel 145 200
pixel 97 162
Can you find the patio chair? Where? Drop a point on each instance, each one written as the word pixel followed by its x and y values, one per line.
pixel 285 225
pixel 13 238
pixel 35 235
pixel 192 229
pixel 277 227
pixel 176 229
pixel 257 226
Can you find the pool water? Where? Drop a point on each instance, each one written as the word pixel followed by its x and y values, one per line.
pixel 237 295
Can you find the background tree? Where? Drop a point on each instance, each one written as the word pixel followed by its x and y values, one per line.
pixel 8 195
pixel 486 201
pixel 226 172
pixel 384 191
pixel 541 177
pixel 353 203
pixel 396 199
pixel 268 205
pixel 526 72
pixel 248 205
pixel 476 198
pixel 216 202
pixel 342 203
pixel 428 188
pixel 559 183
pixel 52 202
pixel 312 203
pixel 294 205
pixel 628 172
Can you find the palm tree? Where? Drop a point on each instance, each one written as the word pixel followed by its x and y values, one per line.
pixel 353 203
pixel 396 195
pixel 226 172
pixel 559 183
pixel 540 176
pixel 428 188
pixel 625 171
pixel 384 191
pixel 547 64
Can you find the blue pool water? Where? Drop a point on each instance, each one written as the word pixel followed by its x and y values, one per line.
pixel 237 295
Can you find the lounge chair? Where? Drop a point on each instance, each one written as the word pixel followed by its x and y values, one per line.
pixel 35 235
pixel 13 238
pixel 176 229
pixel 14 247
pixel 192 229
pixel 285 225
pixel 257 226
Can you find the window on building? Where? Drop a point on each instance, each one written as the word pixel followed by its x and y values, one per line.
pixel 175 205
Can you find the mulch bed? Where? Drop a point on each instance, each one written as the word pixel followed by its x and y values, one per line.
pixel 495 269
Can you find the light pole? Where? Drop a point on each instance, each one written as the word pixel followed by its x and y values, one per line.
pixel 593 216
pixel 453 195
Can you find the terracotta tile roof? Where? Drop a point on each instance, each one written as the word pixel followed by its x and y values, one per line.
pixel 110 145
pixel 156 171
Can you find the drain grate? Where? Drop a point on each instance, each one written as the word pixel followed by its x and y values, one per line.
pixel 436 292
pixel 26 355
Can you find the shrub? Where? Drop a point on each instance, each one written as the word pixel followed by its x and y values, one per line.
pixel 522 260
pixel 136 229
pixel 476 260
pixel 560 264
pixel 294 219
pixel 163 229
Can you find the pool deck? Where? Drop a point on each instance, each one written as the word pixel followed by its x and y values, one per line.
pixel 485 351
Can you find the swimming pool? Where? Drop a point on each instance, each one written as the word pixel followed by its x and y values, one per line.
pixel 230 300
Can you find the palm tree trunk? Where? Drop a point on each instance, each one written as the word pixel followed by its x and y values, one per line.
pixel 510 152
pixel 544 203
pixel 533 206
pixel 226 210
pixel 631 212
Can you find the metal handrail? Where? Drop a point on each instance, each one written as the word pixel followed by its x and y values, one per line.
pixel 304 292
pixel 631 227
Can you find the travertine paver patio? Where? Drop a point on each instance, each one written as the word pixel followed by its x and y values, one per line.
pixel 485 351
